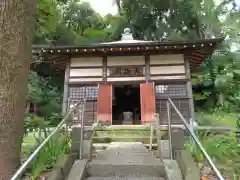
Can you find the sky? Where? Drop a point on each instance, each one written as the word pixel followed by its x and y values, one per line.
pixel 104 7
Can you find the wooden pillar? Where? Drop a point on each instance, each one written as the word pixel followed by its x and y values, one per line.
pixel 147 68
pixel 65 91
pixel 104 73
pixel 189 92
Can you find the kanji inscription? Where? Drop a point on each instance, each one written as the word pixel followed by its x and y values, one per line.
pixel 126 71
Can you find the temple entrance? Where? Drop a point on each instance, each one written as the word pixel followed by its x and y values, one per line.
pixel 126 105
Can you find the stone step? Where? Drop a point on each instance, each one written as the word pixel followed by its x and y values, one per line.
pixel 105 170
pixel 124 159
pixel 98 147
pixel 126 178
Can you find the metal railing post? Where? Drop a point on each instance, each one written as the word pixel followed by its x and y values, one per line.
pixel 158 133
pixel 81 140
pixel 169 131
pixel 67 121
pixel 81 114
pixel 151 137
pixel 197 141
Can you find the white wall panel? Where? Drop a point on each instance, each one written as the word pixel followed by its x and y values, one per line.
pixel 86 72
pixel 125 60
pixel 167 69
pixel 167 59
pixel 86 61
pixel 125 79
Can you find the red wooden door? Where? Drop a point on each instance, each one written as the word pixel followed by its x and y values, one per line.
pixel 104 106
pixel 148 102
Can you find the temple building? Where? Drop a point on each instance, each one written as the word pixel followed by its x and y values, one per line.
pixel 128 81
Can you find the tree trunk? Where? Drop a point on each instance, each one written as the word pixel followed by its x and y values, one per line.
pixel 16 22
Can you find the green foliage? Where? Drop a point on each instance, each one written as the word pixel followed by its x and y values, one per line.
pixel 48 156
pixel 69 21
pixel 217 117
pixel 223 149
pixel 44 95
pixel 32 123
pixel 47 20
pixel 55 119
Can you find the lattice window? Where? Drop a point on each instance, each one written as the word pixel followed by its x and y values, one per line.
pixel 90 92
pixel 171 90
pixel 89 113
pixel 181 104
pixel 77 115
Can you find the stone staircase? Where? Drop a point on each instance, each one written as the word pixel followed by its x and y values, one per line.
pixel 125 161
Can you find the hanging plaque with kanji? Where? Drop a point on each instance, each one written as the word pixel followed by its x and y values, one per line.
pixel 126 71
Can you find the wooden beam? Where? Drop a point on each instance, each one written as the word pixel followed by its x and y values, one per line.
pixel 65 92
pixel 190 93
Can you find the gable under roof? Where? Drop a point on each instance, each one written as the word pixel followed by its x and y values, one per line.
pixel 194 51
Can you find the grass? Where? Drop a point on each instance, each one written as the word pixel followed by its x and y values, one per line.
pixel 125 127
pixel 223 151
pixel 122 133
pixel 217 118
pixel 30 139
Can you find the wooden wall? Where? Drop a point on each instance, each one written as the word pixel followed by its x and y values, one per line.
pixel 91 93
pixel 86 69
pixel 179 95
pixel 99 69
pixel 165 67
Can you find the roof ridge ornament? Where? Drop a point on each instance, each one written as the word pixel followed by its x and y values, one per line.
pixel 127 35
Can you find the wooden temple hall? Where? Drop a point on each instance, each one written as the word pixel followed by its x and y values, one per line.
pixel 128 81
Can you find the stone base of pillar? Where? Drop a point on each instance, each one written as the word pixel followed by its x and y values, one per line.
pixel 177 140
pixel 87 149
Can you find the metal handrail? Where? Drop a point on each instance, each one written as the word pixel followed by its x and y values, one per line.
pixel 45 141
pixel 193 135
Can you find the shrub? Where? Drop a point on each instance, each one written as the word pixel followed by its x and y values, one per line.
pixel 47 157
pixel 223 149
